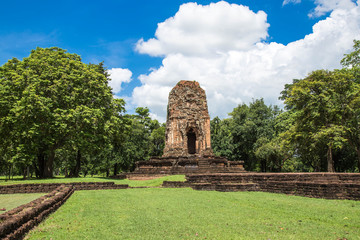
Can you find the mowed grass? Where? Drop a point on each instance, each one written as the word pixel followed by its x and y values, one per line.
pixel 10 201
pixel 132 183
pixel 161 213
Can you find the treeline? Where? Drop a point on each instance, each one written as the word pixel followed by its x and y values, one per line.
pixel 319 130
pixel 59 116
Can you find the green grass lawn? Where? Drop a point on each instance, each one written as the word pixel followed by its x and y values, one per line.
pixel 10 201
pixel 132 183
pixel 156 213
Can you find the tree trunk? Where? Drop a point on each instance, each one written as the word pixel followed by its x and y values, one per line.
pixel 39 170
pixel 115 169
pixel 76 170
pixel 66 172
pixel 263 165
pixel 36 169
pixel 330 160
pixel 78 164
pixel 24 173
pixel 48 165
pixel 10 172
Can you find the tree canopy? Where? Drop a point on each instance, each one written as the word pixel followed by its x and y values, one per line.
pixel 50 100
pixel 319 131
pixel 58 115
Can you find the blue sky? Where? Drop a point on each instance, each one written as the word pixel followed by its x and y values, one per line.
pixel 111 31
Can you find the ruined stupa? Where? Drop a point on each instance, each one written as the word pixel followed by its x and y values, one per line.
pixel 187 139
pixel 188 122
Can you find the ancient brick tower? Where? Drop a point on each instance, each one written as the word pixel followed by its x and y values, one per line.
pixel 187 138
pixel 188 122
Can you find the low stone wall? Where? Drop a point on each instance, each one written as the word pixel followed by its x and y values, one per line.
pixel 318 185
pixel 317 190
pixel 138 176
pixel 274 177
pixel 175 184
pixel 15 223
pixel 48 187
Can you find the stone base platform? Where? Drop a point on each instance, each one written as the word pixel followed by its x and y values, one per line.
pixel 187 165
pixel 317 185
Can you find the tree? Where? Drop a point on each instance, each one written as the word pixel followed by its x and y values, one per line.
pixel 157 139
pixel 270 155
pixel 238 137
pixel 221 138
pixel 48 100
pixel 116 130
pixel 322 103
pixel 351 62
pixel 251 126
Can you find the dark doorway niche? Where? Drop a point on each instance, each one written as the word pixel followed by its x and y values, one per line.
pixel 191 141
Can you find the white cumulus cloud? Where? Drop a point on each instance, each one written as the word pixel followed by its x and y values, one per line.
pixel 119 76
pixel 232 67
pixel 203 30
pixel 325 6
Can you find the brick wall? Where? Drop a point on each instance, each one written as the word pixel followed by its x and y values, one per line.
pixel 15 223
pixel 48 187
pixel 175 184
pixel 318 185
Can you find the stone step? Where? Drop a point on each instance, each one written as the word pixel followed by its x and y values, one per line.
pixel 236 187
pixel 203 186
pixel 203 164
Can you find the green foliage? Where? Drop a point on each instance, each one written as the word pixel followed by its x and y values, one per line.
pixel 221 138
pixel 157 140
pixel 51 100
pixel 270 155
pixel 239 137
pixel 142 138
pixel 317 121
pixel 325 116
pixel 352 59
pixel 59 114
pixel 155 213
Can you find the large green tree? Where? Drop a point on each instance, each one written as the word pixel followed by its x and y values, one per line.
pixel 48 100
pixel 351 62
pixel 323 104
